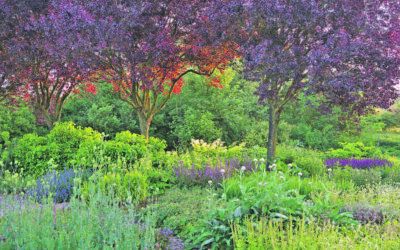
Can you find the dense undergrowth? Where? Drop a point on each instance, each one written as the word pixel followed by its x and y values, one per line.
pixel 332 184
pixel 214 196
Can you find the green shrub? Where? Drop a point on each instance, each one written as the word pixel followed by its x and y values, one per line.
pixel 215 150
pixel 65 145
pixel 307 160
pixel 123 187
pixel 257 135
pixel 133 147
pixel 72 145
pixel 355 150
pixel 32 154
pixel 17 121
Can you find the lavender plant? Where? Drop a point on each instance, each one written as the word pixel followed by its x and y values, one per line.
pixel 57 184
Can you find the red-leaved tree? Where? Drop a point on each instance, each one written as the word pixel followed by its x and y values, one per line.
pixel 47 56
pixel 145 48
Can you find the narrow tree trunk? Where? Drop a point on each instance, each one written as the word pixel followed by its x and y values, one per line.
pixel 274 118
pixel 144 123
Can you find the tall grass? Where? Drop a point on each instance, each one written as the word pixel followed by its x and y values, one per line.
pixel 266 234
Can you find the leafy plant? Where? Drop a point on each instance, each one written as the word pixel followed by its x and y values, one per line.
pixel 355 150
pixel 57 186
pixel 124 187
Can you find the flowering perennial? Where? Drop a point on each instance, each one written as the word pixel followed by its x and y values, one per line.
pixel 214 172
pixel 358 164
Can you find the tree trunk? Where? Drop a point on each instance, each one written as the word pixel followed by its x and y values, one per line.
pixel 144 123
pixel 47 118
pixel 274 118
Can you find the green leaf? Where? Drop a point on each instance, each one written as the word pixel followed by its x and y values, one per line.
pixel 207 242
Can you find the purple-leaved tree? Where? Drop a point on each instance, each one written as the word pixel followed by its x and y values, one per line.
pixel 145 48
pixel 345 50
pixel 45 54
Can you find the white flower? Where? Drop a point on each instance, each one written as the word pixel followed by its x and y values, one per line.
pixel 260 184
pixel 280 172
pixel 295 192
pixel 276 195
pixel 282 178
pixel 329 169
pixel 270 166
pixel 237 200
pixel 274 161
pixel 274 165
pixel 255 160
pixel 243 168
pixel 310 183
pixel 262 160
pixel 222 171
pixel 210 182
pixel 300 174
pixel 290 165
pixel 264 184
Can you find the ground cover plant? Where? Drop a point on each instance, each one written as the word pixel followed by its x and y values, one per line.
pixel 315 165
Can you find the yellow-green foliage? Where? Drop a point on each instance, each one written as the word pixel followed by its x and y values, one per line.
pixel 123 187
pixel 355 150
pixel 133 147
pixel 269 235
pixel 64 146
pixel 216 149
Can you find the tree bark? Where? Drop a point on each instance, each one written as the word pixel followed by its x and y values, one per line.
pixel 274 119
pixel 144 123
pixel 48 120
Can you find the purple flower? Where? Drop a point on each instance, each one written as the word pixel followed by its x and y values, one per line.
pixel 358 163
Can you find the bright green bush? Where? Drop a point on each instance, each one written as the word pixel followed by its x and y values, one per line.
pixel 16 121
pixel 133 147
pixel 65 145
pixel 32 154
pixel 216 149
pixel 122 187
pixel 355 150
pixel 72 145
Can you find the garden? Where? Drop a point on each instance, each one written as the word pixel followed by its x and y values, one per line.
pixel 199 124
